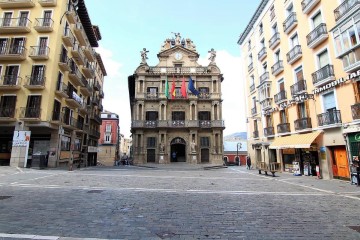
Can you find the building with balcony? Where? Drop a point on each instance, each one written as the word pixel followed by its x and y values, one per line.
pixel 300 111
pixel 45 47
pixel 109 148
pixel 176 107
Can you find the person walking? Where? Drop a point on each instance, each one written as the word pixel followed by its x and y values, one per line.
pixel 173 156
pixel 248 162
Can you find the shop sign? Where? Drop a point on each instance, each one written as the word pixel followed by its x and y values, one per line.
pixel 336 82
pixel 92 149
pixel 355 137
pixel 21 138
pixel 302 97
pixel 269 111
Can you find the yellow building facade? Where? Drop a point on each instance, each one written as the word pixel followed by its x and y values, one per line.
pixel 299 96
pixel 51 82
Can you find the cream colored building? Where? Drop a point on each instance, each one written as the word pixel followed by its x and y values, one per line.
pixel 191 126
pixel 125 146
pixel 299 98
pixel 51 82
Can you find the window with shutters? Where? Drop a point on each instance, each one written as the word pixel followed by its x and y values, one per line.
pixel 302 110
pixel 283 116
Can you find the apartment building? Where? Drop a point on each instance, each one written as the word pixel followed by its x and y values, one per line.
pixel 109 139
pixel 51 82
pixel 300 97
pixel 176 107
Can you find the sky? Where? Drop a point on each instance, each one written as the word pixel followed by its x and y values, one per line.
pixel 129 26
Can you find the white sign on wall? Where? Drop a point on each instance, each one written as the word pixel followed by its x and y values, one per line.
pixel 21 138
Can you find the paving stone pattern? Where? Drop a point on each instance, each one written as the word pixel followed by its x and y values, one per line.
pixel 175 202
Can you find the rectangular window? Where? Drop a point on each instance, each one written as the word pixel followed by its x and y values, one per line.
pixel 283 116
pixel 108 128
pixel 204 116
pixel 205 142
pixel 299 75
pixel 151 142
pixel 323 59
pixel 317 20
pixel 151 116
pixel 107 138
pixel 178 116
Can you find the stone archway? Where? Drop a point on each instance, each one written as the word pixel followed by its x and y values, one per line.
pixel 178 146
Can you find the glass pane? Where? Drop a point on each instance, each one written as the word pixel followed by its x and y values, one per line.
pixel 323 59
pixel 352 58
pixel 345 61
pixel 317 20
pixel 338 45
pixel 352 35
pixel 345 39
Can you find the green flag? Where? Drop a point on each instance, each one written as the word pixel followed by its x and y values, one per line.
pixel 167 88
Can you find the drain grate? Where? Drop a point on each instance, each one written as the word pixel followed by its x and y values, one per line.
pixel 164 235
pixel 5 197
pixel 356 228
pixel 95 191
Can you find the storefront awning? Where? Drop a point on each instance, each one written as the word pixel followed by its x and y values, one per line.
pixel 295 141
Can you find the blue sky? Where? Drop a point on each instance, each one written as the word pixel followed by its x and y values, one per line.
pixel 128 26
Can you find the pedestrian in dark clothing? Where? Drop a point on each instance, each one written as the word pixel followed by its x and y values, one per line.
pixel 248 162
pixel 173 156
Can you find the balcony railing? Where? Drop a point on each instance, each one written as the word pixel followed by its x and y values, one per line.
pixel 10 80
pixel 61 89
pixel 205 123
pixel 277 68
pixel 302 123
pixel 274 40
pixel 308 5
pixel 290 22
pixel 178 123
pixel 262 54
pixel 298 87
pixel 96 86
pixel 256 134
pixel 179 70
pixel 37 81
pixel 152 95
pixel 283 128
pixel 294 54
pixel 266 103
pixel 269 131
pixel 250 67
pixel 47 3
pixel 44 24
pixel 13 53
pixel 39 52
pixel 8 25
pixel 7 112
pixel 79 125
pixel 64 62
pixel 30 112
pixel 69 121
pixel 94 133
pixel 264 77
pixel 280 97
pixel 68 38
pixel 344 8
pixel 272 15
pixel 253 111
pixel 322 74
pixel 329 118
pixel 17 3
pixel 317 35
pixel 252 88
pixel 355 111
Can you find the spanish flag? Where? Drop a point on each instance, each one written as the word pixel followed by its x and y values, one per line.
pixel 183 88
pixel 173 92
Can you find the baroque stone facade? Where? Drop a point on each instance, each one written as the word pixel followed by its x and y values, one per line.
pixel 170 122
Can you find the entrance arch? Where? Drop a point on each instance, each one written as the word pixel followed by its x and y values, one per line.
pixel 178 145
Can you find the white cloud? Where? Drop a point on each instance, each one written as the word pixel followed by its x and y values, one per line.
pixel 116 90
pixel 232 91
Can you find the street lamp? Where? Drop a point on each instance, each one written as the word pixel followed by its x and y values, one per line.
pixel 238 146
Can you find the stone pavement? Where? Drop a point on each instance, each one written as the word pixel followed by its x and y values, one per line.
pixel 175 201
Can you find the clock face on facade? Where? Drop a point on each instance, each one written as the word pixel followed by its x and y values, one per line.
pixel 178 56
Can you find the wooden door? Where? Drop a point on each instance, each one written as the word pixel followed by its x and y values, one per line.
pixel 341 162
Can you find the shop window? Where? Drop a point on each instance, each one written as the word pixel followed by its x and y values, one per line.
pixel 77 145
pixel 65 143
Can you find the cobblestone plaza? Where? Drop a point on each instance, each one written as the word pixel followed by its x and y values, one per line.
pixel 174 202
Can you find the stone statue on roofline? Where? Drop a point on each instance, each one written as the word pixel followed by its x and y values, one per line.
pixel 212 56
pixel 144 56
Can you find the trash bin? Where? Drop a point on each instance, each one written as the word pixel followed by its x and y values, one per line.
pixel 43 161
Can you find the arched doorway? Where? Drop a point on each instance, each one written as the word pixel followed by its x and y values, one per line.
pixel 178 146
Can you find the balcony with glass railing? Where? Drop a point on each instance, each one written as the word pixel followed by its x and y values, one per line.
pixel 294 54
pixel 323 75
pixel 47 3
pixel 39 52
pixel 30 113
pixel 290 23
pixel 317 36
pixel 274 41
pixel 277 68
pixel 329 118
pixel 347 8
pixel 308 5
pixel 7 113
pixel 280 97
pixel 35 82
pixel 43 25
pixel 13 53
pixel 302 124
pixel 283 128
pixel 262 54
pixel 10 82
pixel 298 88
pixel 269 131
pixel 15 25
pixel 5 4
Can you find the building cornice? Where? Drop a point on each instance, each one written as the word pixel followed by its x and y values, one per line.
pixel 252 21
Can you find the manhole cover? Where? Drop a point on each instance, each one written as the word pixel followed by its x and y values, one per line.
pixel 164 235
pixel 356 228
pixel 4 197
pixel 95 191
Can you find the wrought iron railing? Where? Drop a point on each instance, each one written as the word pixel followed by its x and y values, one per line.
pixel 10 80
pixel 294 53
pixel 15 22
pixel 278 66
pixel 283 128
pixel 280 96
pixel 316 33
pixel 44 22
pixel 250 67
pixel 290 21
pixel 264 77
pixel 13 50
pixel 255 134
pixel 30 112
pixel 298 87
pixel 274 39
pixel 7 112
pixel 329 117
pixel 36 80
pixel 345 7
pixel 253 111
pixel 38 51
pixel 178 70
pixel 323 73
pixel 302 123
pixel 269 131
pixel 262 53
